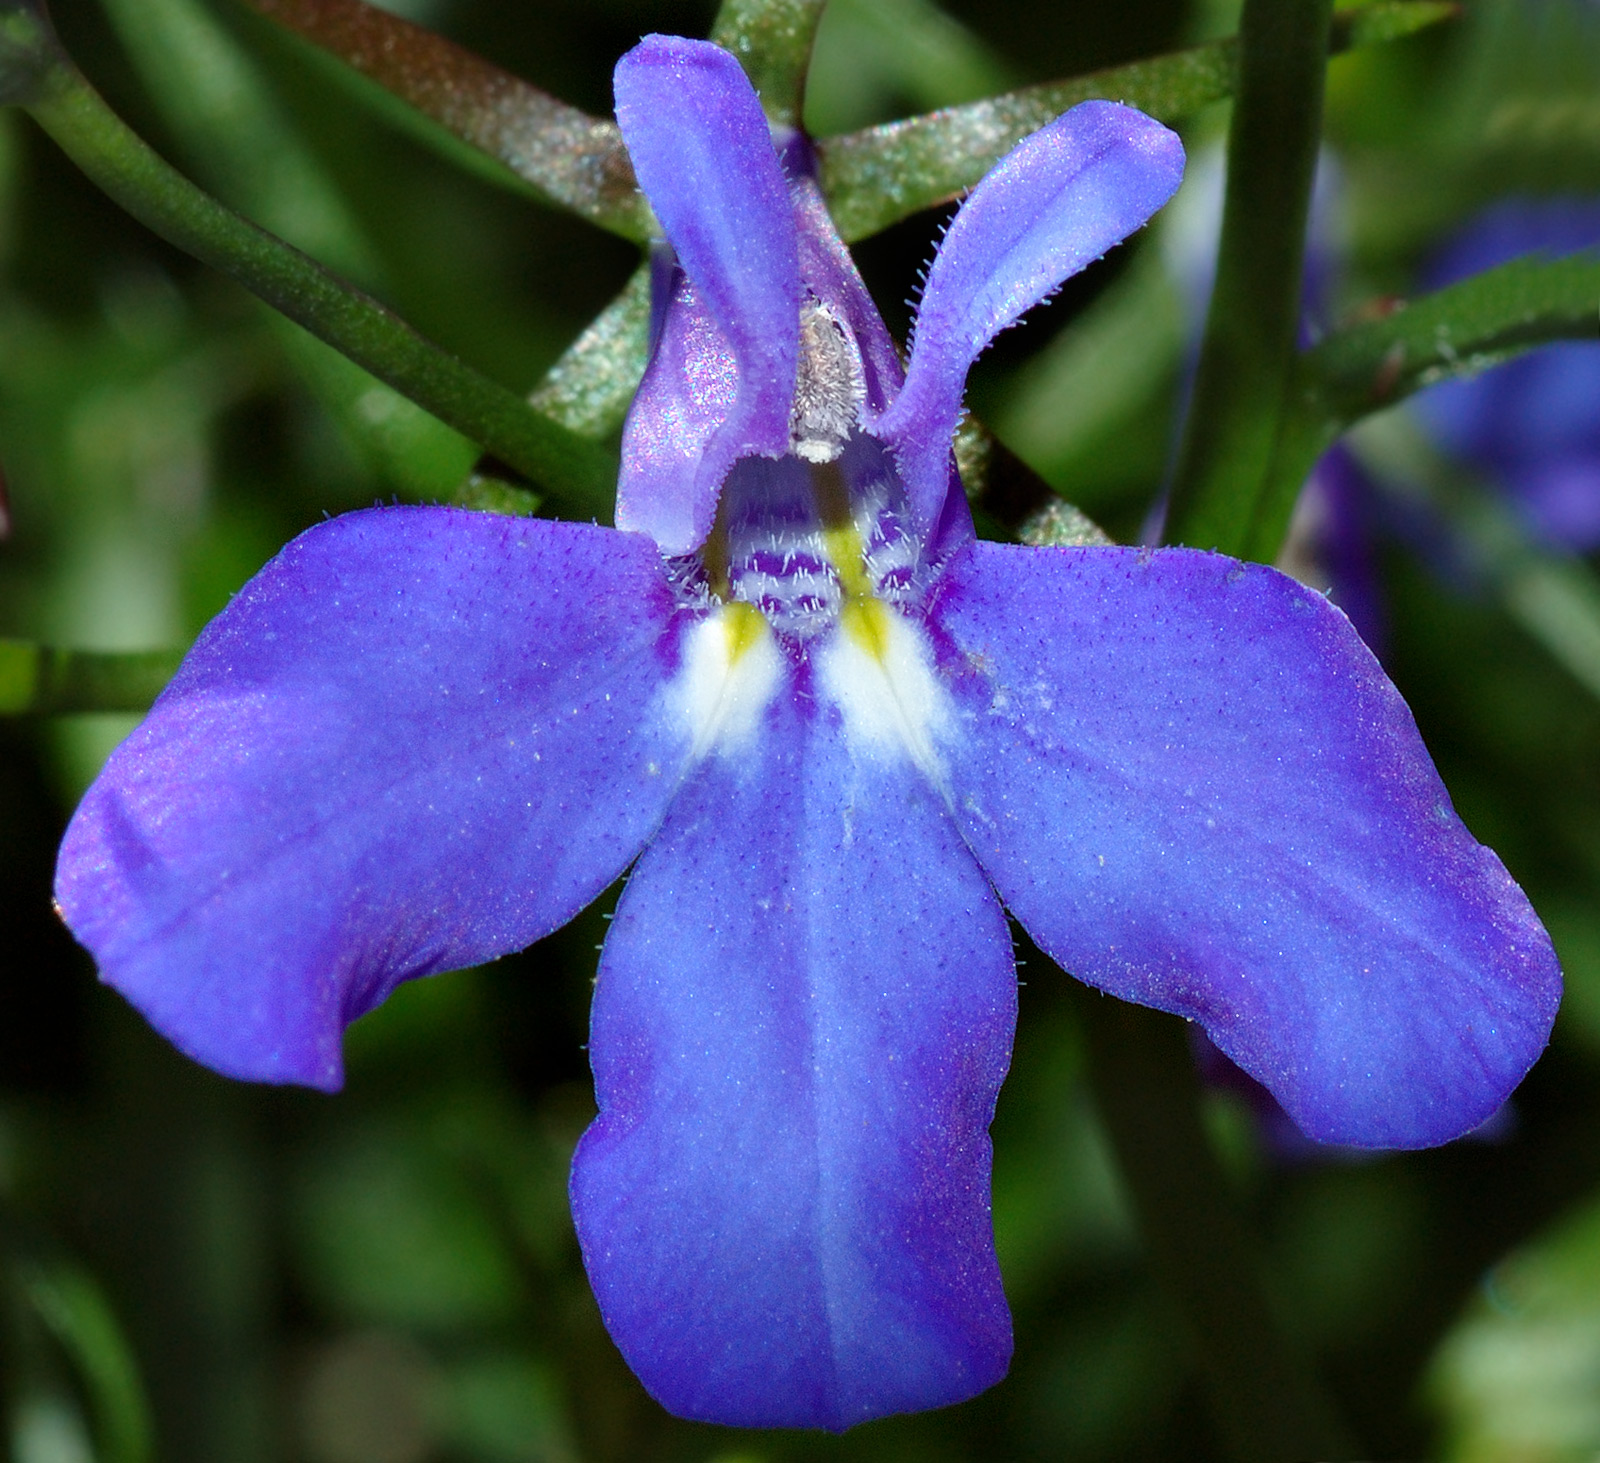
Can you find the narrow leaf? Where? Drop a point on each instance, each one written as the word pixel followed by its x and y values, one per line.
pixel 772 39
pixel 591 387
pixel 1457 331
pixel 573 472
pixel 38 680
pixel 571 159
pixel 73 1308
pixel 876 177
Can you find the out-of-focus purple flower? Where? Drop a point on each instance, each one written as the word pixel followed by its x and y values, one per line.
pixel 1533 424
pixel 835 732
pixel 1331 542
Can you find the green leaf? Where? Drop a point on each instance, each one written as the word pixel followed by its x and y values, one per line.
pixel 572 471
pixel 392 1229
pixel 222 111
pixel 590 389
pixel 1387 20
pixel 44 680
pixel 486 493
pixel 212 95
pixel 1515 1378
pixel 570 158
pixel 1081 390
pixel 1009 499
pixel 1457 331
pixel 772 39
pixel 73 1309
pixel 869 51
pixel 876 177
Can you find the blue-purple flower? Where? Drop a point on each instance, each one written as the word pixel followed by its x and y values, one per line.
pixel 831 732
pixel 1531 425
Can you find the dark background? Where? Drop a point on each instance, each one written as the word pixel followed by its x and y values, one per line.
pixel 390 1276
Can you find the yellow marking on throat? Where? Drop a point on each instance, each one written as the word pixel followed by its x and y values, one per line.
pixel 866 621
pixel 845 551
pixel 742 627
pixel 863 616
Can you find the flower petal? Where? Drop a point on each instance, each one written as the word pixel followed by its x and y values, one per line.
pixel 677 422
pixel 704 157
pixel 803 1015
pixel 419 738
pixel 1054 204
pixel 1192 783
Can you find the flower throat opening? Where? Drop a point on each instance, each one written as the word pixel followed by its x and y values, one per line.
pixel 820 535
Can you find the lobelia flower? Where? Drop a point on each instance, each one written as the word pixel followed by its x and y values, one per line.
pixel 1530 425
pixel 835 732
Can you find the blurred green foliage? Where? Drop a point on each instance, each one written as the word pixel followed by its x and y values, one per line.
pixel 390 1276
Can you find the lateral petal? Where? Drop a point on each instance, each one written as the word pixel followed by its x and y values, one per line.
pixel 704 157
pixel 1053 205
pixel 803 1015
pixel 1193 784
pixel 418 739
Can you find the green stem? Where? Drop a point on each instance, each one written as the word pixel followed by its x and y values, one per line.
pixel 39 680
pixel 1248 345
pixel 244 149
pixel 1454 332
pixel 883 174
pixel 772 39
pixel 573 472
pixel 1266 1400
pixel 450 96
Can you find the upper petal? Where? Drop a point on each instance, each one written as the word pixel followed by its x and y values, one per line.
pixel 1193 784
pixel 1054 204
pixel 419 738
pixel 679 422
pixel 803 1014
pixel 703 155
